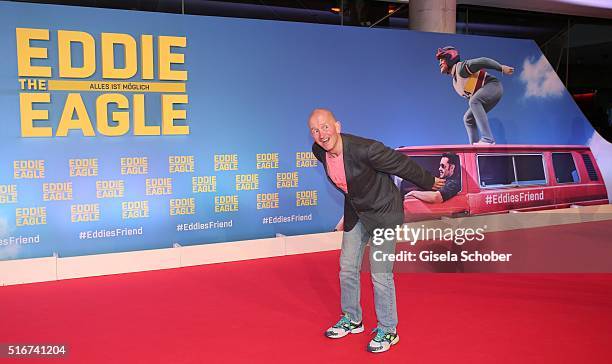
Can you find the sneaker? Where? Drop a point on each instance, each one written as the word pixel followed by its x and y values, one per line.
pixel 382 341
pixel 344 327
pixel 482 142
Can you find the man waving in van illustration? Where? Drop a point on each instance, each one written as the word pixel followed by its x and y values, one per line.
pixel 482 90
pixel 448 164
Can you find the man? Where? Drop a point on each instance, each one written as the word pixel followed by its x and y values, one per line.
pixel 360 168
pixel 482 90
pixel 448 164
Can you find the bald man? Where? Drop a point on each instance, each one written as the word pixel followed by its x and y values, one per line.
pixel 361 169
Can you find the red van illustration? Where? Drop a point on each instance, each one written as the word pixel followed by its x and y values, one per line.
pixel 490 179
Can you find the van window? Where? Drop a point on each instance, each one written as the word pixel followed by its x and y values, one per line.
pixel 431 163
pixel 565 168
pixel 511 170
pixel 495 170
pixel 529 170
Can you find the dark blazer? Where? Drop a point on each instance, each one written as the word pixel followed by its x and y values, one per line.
pixel 372 196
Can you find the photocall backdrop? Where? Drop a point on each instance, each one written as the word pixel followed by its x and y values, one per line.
pixel 126 130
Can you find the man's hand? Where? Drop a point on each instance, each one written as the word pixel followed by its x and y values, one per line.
pixel 507 70
pixel 438 183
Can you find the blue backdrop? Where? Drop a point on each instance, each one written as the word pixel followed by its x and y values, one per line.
pixel 251 86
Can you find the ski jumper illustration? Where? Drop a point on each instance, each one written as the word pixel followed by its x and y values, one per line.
pixel 482 90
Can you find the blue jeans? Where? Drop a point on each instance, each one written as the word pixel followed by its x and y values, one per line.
pixel 475 117
pixel 353 246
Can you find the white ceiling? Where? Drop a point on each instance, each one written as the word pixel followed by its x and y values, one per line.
pixel 590 8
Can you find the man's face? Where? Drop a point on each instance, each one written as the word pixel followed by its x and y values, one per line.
pixel 443 66
pixel 446 169
pixel 324 129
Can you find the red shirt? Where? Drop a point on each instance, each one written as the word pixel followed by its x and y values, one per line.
pixel 335 170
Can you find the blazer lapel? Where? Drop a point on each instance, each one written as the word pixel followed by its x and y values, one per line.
pixel 348 161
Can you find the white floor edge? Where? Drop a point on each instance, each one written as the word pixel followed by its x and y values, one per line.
pixel 22 271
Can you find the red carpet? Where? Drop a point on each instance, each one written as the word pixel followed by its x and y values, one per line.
pixel 275 310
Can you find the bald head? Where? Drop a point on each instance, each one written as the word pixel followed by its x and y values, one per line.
pixel 325 130
pixel 321 113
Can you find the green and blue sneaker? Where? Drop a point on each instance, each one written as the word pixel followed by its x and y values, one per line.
pixel 344 327
pixel 382 341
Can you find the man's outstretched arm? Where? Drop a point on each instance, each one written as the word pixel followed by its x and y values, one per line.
pixel 387 160
pixel 474 65
pixel 427 196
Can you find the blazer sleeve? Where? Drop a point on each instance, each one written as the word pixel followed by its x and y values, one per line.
pixel 387 160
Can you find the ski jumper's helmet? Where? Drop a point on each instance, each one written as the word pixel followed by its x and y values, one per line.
pixel 450 54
